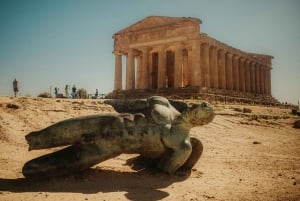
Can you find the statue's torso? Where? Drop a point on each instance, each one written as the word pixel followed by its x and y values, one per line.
pixel 133 133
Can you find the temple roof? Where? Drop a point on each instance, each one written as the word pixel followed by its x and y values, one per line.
pixel 152 22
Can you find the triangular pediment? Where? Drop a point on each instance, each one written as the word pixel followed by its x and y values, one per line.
pixel 152 22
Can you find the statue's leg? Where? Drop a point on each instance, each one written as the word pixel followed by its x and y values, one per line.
pixel 197 149
pixel 68 160
pixel 78 130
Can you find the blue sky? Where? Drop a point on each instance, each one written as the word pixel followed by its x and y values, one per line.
pixel 49 43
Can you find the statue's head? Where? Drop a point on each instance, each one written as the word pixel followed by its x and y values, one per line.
pixel 198 114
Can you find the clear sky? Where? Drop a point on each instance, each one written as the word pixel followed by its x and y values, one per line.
pixel 49 43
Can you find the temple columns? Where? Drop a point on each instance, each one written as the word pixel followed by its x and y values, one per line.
pixel 139 72
pixel 228 65
pixel 145 69
pixel 192 64
pixel 213 69
pixel 252 77
pixel 162 71
pixel 257 79
pixel 268 80
pixel 221 69
pixel 205 65
pixel 247 76
pixel 262 79
pixel 195 53
pixel 130 72
pixel 118 72
pixel 235 72
pixel 186 69
pixel 242 79
pixel 178 67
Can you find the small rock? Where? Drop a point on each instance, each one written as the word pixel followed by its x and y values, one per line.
pixel 12 106
pixel 294 183
pixel 296 124
pixel 294 111
pixel 237 109
pixel 247 110
pixel 256 142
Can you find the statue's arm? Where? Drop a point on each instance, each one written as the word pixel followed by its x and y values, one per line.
pixel 129 105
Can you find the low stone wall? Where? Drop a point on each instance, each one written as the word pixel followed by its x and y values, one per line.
pixel 211 95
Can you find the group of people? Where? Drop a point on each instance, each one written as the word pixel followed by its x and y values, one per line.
pixel 74 92
pixel 81 93
pixel 67 93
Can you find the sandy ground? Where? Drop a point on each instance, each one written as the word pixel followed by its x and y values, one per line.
pixel 247 156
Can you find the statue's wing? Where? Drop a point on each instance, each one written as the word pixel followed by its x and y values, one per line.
pixel 129 105
pixel 179 105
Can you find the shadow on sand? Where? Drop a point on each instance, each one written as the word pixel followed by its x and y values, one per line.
pixel 142 185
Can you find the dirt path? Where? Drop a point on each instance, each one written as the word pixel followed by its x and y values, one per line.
pixel 247 156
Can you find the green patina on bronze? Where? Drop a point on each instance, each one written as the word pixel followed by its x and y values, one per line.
pixel 154 128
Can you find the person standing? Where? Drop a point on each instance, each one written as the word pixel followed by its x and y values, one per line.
pixel 16 87
pixel 96 94
pixel 74 91
pixel 67 90
pixel 56 89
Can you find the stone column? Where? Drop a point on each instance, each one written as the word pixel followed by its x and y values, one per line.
pixel 196 67
pixel 161 68
pixel 257 78
pixel 139 72
pixel 205 65
pixel 242 77
pixel 118 71
pixel 178 67
pixel 213 69
pixel 130 74
pixel 186 69
pixel 235 73
pixel 252 75
pixel 150 70
pixel 262 79
pixel 221 69
pixel 228 66
pixel 247 76
pixel 145 69
pixel 268 80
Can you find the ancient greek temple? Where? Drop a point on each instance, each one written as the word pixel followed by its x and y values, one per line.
pixel 171 53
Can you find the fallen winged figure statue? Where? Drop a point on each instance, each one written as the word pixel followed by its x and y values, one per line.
pixel 150 127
